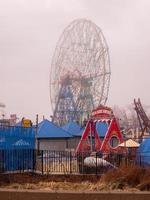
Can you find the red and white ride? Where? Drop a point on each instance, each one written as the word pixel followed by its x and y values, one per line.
pixel 91 140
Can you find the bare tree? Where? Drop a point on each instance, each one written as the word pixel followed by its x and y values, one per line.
pixel 121 116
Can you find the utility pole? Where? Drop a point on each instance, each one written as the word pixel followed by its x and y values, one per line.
pixel 36 132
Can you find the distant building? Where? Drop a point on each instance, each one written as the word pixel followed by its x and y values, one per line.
pixel 52 137
pixel 10 121
pixel 67 137
pixel 76 131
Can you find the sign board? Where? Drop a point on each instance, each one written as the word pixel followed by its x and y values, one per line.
pixel 103 112
pixel 26 123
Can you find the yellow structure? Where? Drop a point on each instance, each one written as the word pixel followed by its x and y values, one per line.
pixel 26 123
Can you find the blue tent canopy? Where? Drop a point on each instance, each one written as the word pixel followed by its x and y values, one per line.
pixel 76 130
pixel 47 129
pixel 73 128
pixel 144 152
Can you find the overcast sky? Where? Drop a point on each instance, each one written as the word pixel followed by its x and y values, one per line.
pixel 30 29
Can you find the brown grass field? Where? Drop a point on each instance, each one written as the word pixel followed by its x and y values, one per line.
pixel 129 178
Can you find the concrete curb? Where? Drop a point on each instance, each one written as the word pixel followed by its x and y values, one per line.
pixel 11 194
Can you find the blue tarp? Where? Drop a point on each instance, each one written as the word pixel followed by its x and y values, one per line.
pixel 143 154
pixel 73 128
pixel 47 129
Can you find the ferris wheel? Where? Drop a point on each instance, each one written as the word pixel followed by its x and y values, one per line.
pixel 80 72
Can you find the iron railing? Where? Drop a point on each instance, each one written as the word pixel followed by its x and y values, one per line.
pixel 66 162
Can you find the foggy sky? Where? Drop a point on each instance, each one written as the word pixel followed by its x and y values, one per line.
pixel 30 29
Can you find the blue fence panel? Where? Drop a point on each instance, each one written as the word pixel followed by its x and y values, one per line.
pixel 17 138
pixel 17 146
pixel 17 160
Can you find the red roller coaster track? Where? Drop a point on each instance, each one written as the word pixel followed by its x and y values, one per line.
pixel 144 121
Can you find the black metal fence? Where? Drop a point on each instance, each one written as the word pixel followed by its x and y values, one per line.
pixel 65 162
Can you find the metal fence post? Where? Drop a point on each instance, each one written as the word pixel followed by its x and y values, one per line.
pixel 140 161
pixel 70 162
pixel 33 160
pixel 96 163
pixel 82 163
pixel 42 163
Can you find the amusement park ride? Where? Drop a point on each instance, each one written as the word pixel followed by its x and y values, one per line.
pixel 80 72
pixel 90 140
pixel 79 84
pixel 142 117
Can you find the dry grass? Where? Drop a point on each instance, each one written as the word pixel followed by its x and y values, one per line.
pixel 130 178
pixel 61 186
pixel 127 177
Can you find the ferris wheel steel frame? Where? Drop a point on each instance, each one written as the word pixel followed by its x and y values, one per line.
pixel 80 72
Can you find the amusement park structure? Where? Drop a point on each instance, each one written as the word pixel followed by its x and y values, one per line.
pixel 80 72
pixel 144 121
pixel 90 140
